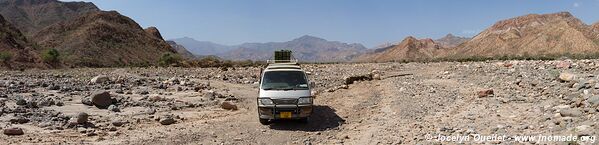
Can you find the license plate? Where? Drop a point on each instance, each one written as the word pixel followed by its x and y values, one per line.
pixel 285 114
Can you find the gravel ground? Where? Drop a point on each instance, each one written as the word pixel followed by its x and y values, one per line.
pixel 393 103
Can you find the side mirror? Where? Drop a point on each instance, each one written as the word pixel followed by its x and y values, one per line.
pixel 312 84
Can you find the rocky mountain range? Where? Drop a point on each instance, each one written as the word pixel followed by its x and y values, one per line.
pixel 451 40
pixel 103 39
pixel 31 16
pixel 84 35
pixel 15 50
pixel 534 35
pixel 305 48
pixel 409 49
pixel 200 48
pixel 181 49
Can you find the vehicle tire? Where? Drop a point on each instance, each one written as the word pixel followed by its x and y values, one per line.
pixel 264 121
pixel 304 120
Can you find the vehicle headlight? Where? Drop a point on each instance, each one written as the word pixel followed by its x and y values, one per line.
pixel 266 102
pixel 305 100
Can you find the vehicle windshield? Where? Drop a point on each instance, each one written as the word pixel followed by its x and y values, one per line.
pixel 284 80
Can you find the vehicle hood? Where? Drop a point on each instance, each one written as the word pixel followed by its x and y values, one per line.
pixel 284 94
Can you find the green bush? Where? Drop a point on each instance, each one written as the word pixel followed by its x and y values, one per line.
pixel 169 59
pixel 5 56
pixel 50 56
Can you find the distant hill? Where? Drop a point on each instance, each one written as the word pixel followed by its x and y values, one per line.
pixel 451 40
pixel 104 38
pixel 31 16
pixel 533 35
pixel 181 49
pixel 409 49
pixel 14 48
pixel 202 47
pixel 305 48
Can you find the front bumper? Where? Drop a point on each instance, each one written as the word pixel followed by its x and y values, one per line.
pixel 274 111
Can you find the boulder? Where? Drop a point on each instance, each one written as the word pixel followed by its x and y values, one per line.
pixel 376 76
pixel 21 102
pixel 82 118
pixel 101 99
pixel 19 120
pixel 352 79
pixel 563 64
pixel 167 121
pixel 118 122
pixel 100 79
pixel 485 93
pixel 566 77
pixel 594 101
pixel 228 105
pixel 13 131
pixel 570 112
pixel 114 108
pixel 87 101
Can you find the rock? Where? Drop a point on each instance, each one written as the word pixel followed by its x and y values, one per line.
pixel 3 96
pixel 352 79
pixel 114 108
pixel 571 112
pixel 19 120
pixel 344 87
pixel 167 121
pixel 584 130
pixel 82 118
pixel 118 122
pixel 485 93
pixel 594 101
pixel 228 105
pixel 87 101
pixel 102 99
pixel 13 131
pixel 563 64
pixel 21 102
pixel 566 77
pixel 100 79
pixel 173 80
pixel 508 65
pixel 376 76
pixel 150 111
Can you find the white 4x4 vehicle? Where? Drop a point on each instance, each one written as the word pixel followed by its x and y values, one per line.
pixel 285 93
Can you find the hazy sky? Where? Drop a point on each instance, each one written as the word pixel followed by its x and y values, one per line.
pixel 370 22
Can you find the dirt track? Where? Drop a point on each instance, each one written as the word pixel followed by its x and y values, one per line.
pixel 412 102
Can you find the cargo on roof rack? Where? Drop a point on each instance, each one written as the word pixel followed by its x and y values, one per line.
pixel 283 56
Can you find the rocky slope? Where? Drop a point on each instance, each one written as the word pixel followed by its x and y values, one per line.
pixel 153 31
pixel 451 40
pixel 305 48
pixel 533 35
pixel 15 50
pixel 200 48
pixel 31 16
pixel 104 38
pixel 410 49
pixel 180 49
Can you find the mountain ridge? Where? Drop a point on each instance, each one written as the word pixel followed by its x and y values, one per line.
pixel 305 48
pixel 104 38
pixel 31 16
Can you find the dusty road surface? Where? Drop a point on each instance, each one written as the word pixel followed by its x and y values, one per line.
pixel 405 103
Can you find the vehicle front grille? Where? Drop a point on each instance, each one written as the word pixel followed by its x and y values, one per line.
pixel 284 101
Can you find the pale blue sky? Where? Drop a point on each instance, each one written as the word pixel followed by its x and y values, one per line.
pixel 370 22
